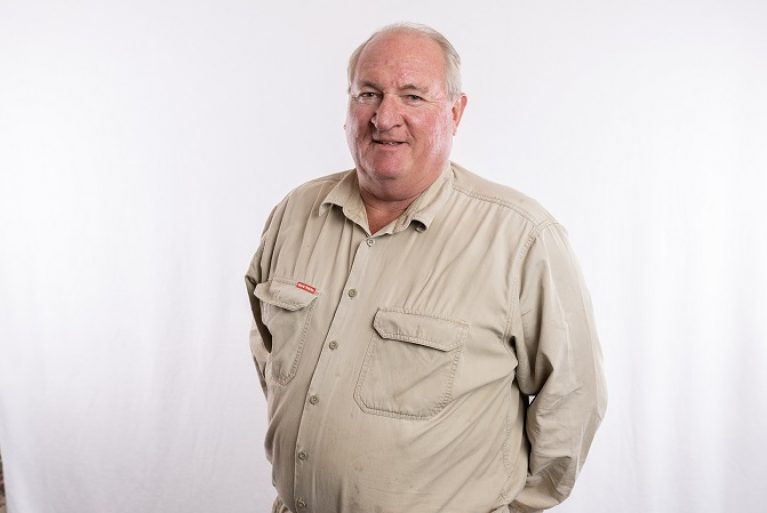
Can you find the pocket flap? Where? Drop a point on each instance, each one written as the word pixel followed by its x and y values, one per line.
pixel 285 295
pixel 441 334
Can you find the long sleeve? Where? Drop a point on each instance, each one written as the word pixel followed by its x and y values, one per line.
pixel 260 339
pixel 560 370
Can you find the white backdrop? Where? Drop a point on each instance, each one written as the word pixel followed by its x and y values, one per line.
pixel 142 145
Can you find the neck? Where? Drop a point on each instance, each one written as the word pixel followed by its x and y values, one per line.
pixel 386 200
pixel 382 212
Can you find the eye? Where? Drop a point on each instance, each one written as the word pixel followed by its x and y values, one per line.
pixel 368 97
pixel 413 99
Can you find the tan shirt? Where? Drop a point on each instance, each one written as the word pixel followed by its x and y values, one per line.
pixel 399 367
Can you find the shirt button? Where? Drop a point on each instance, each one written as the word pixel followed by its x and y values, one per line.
pixel 300 503
pixel 314 399
pixel 352 292
pixel 371 242
pixel 333 345
pixel 420 228
pixel 303 456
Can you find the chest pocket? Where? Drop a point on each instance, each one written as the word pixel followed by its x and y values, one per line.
pixel 410 365
pixel 286 311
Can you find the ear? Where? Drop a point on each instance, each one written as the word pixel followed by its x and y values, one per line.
pixel 457 110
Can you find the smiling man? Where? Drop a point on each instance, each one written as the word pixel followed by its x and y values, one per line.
pixel 423 336
pixel 401 120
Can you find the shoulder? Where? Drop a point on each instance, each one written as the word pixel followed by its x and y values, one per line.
pixel 318 186
pixel 505 198
pixel 311 194
pixel 304 200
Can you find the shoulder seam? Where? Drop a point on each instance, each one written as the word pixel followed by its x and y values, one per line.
pixel 521 255
pixel 313 185
pixel 538 226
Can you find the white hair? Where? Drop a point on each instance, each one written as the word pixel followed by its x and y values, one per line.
pixel 452 59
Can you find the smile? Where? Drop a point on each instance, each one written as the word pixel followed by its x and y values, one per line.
pixel 388 143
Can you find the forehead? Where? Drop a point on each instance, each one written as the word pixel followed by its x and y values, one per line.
pixel 399 58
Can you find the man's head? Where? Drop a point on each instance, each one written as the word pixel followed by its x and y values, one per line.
pixel 452 59
pixel 405 104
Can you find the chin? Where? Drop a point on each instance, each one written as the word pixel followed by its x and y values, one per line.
pixel 387 168
pixel 387 172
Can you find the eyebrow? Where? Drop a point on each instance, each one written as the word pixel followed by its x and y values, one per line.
pixel 368 83
pixel 413 87
pixel 406 87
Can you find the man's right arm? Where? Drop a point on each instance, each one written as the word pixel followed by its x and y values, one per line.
pixel 260 338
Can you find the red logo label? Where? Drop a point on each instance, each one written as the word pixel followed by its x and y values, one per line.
pixel 305 286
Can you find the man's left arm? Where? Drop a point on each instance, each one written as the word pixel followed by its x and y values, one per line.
pixel 560 369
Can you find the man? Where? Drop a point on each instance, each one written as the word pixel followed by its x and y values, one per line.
pixel 423 336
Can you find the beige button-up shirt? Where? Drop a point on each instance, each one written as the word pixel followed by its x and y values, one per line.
pixel 448 363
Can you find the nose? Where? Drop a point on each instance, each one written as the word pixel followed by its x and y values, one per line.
pixel 387 114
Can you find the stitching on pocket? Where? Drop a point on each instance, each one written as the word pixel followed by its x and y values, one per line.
pixel 450 360
pixel 301 311
pixel 285 379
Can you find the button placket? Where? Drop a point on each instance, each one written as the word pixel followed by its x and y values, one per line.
pixel 326 367
pixel 352 292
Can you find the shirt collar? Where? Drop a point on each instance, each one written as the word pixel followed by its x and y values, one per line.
pixel 346 194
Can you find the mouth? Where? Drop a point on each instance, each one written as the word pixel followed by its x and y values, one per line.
pixel 387 143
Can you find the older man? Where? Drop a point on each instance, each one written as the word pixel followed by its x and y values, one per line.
pixel 423 336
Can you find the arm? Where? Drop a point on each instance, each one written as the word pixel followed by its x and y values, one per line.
pixel 260 338
pixel 560 369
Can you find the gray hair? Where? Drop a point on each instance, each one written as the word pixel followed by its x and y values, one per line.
pixel 452 59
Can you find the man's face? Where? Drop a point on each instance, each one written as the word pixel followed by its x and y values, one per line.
pixel 400 121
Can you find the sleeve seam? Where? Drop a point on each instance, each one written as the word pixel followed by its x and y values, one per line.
pixel 514 299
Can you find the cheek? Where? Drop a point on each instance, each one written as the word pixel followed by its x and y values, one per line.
pixel 438 131
pixel 357 118
pixel 355 129
pixel 351 123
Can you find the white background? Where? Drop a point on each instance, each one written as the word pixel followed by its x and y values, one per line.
pixel 142 145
